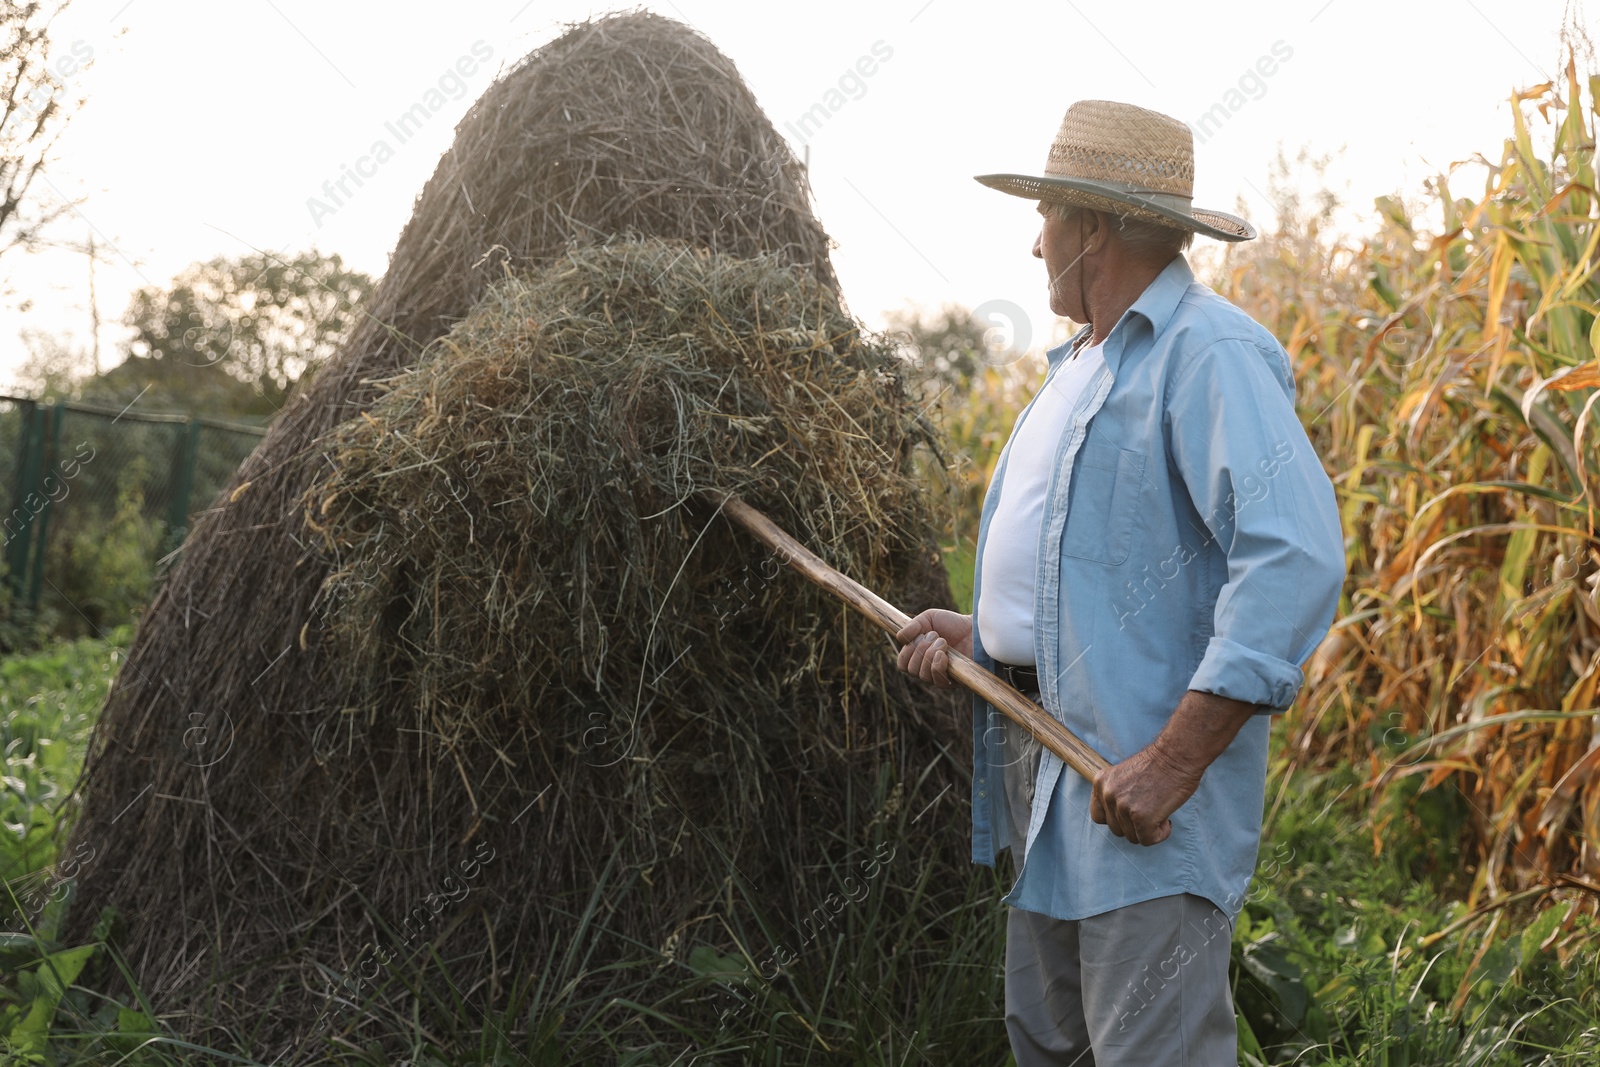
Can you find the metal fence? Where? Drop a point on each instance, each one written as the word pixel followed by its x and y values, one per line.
pixel 98 499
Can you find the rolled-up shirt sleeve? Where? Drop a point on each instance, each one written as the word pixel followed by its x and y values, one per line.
pixel 1261 496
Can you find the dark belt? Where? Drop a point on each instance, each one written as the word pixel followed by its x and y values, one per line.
pixel 1022 679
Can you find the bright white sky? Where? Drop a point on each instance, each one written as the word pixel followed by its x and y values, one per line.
pixel 208 125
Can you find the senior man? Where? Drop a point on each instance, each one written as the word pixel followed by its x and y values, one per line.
pixel 1158 552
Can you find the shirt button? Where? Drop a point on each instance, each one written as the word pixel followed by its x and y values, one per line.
pixel 983 794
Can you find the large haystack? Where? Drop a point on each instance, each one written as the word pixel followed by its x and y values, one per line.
pixel 269 798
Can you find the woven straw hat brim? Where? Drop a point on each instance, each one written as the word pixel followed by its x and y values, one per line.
pixel 1083 192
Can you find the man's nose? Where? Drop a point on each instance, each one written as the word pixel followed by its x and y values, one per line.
pixel 1038 245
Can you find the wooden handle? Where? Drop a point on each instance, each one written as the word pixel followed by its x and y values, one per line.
pixel 1030 716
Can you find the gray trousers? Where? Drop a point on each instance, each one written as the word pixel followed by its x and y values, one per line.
pixel 1141 986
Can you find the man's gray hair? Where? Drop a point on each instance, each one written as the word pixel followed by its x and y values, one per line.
pixel 1146 238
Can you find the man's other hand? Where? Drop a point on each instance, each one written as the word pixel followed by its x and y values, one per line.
pixel 1134 798
pixel 927 640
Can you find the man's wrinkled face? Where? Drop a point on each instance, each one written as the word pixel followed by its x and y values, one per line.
pixel 1059 244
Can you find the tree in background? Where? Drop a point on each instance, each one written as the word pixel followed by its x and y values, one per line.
pixel 54 368
pixel 232 336
pixel 33 114
pixel 947 347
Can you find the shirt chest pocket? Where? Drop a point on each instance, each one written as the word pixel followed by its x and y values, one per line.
pixel 1103 505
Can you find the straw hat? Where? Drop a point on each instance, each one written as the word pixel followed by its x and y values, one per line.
pixel 1123 159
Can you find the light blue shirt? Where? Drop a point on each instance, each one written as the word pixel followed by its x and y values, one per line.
pixel 1190 540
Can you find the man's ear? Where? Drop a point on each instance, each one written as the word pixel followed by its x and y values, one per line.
pixel 1093 233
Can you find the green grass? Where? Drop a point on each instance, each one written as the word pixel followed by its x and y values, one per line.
pixel 960 563
pixel 48 704
pixel 1341 956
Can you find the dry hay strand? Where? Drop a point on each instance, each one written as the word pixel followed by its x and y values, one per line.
pixel 215 793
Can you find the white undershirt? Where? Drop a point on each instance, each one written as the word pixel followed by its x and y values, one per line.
pixel 1010 562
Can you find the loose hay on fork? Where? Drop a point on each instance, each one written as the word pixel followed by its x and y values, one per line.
pixel 519 514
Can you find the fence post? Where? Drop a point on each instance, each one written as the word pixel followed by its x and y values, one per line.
pixel 183 484
pixel 30 453
pixel 57 413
